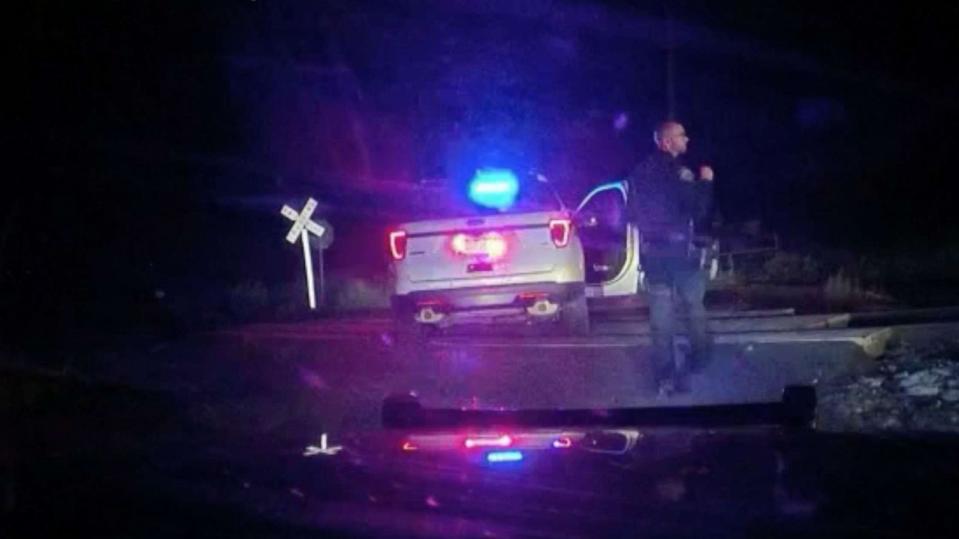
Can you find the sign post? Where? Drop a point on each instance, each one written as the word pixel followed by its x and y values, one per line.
pixel 320 274
pixel 303 225
pixel 308 263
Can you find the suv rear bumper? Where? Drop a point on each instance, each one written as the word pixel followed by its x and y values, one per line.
pixel 487 297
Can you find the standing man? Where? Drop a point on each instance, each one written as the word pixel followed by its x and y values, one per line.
pixel 667 200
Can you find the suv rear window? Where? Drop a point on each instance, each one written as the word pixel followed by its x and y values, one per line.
pixel 441 202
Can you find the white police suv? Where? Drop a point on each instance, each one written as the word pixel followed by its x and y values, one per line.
pixel 509 252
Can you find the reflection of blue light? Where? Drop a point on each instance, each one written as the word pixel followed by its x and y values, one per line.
pixel 504 456
pixel 494 188
pixel 618 185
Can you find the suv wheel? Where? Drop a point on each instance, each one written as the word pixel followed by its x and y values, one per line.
pixel 574 316
pixel 407 330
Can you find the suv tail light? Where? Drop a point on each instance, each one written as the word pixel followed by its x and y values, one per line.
pixel 559 231
pixel 398 244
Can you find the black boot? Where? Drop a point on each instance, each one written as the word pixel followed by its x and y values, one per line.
pixel 700 356
pixel 681 359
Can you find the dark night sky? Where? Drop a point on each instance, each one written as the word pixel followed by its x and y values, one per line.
pixel 831 122
pixel 780 97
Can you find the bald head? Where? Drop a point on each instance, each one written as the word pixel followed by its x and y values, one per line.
pixel 670 137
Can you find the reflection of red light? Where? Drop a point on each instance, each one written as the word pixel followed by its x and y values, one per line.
pixel 562 442
pixel 495 245
pixel 502 441
pixel 458 243
pixel 409 446
pixel 532 296
pixel 491 245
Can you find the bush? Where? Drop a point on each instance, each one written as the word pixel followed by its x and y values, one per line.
pixel 844 288
pixel 247 299
pixel 358 294
pixel 841 287
pixel 791 268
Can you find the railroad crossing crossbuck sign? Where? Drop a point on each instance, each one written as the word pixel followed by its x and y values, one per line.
pixel 303 225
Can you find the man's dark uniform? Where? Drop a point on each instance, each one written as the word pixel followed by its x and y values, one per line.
pixel 666 202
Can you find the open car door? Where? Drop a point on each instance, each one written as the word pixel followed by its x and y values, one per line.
pixel 610 242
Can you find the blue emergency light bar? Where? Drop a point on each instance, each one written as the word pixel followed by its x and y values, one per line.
pixel 503 456
pixel 494 188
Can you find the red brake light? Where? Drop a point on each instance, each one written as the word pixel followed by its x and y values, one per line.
pixel 559 231
pixel 398 244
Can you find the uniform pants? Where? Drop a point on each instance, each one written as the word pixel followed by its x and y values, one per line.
pixel 687 288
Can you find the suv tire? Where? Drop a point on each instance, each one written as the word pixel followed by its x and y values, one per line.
pixel 574 316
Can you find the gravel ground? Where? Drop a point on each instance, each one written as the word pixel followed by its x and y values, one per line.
pixel 913 388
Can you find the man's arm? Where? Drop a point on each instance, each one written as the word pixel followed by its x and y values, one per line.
pixel 634 179
pixel 703 195
pixel 704 200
